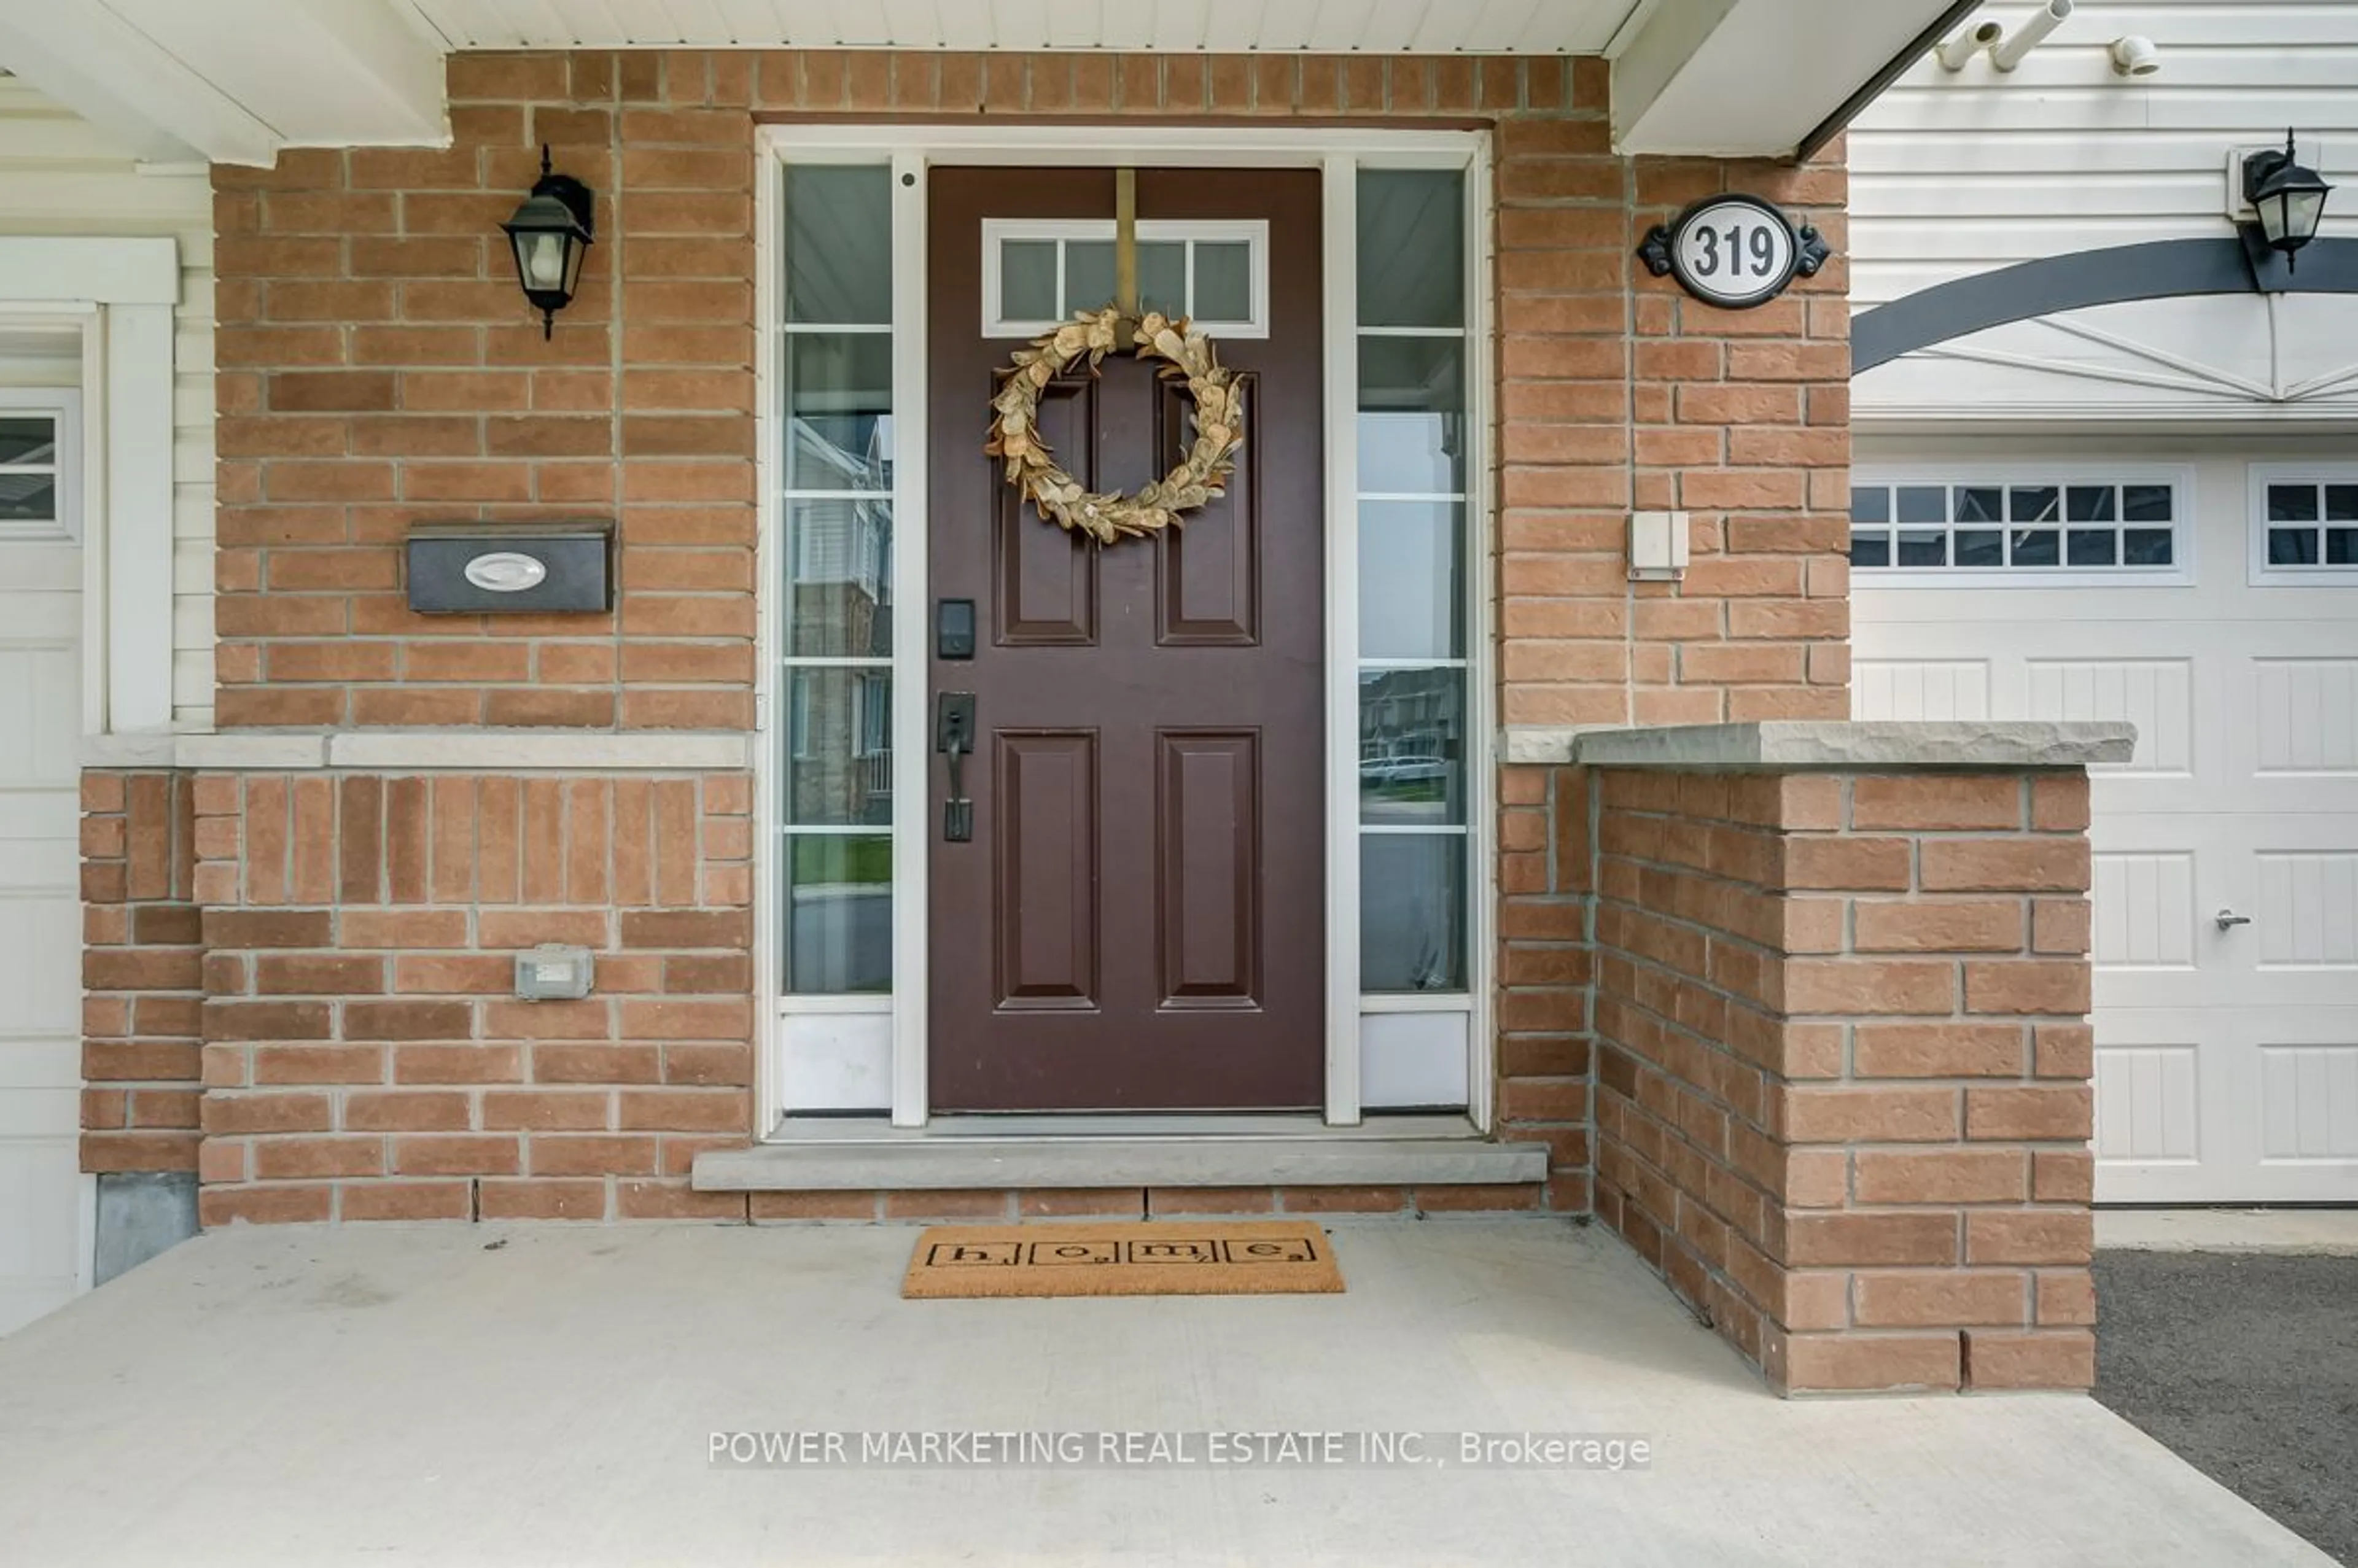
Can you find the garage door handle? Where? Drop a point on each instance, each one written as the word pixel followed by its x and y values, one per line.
pixel 2228 919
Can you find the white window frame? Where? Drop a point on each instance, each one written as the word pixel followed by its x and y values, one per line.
pixel 2262 573
pixel 1253 232
pixel 62 405
pixel 883 1040
pixel 2180 573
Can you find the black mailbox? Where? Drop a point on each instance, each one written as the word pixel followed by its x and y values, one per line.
pixel 539 568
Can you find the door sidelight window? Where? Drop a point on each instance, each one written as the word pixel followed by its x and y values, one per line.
pixel 834 421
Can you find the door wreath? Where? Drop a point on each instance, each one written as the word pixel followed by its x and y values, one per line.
pixel 1186 353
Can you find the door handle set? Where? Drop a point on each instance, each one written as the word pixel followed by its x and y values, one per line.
pixel 2228 919
pixel 954 735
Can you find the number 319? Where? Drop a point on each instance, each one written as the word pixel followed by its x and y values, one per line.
pixel 1739 238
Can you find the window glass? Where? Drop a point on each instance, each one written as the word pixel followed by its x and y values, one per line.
pixel 1411 416
pixel 839 244
pixel 838 602
pixel 29 438
pixel 1413 747
pixel 839 913
pixel 834 571
pixel 2029 526
pixel 1411 580
pixel 1411 248
pixel 2311 522
pixel 1027 280
pixel 840 736
pixel 1412 911
pixel 1413 584
pixel 1223 281
pixel 839 410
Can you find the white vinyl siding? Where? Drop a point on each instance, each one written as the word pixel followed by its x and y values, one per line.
pixel 1954 174
pixel 61 175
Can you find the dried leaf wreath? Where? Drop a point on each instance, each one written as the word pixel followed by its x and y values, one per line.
pixel 1033 469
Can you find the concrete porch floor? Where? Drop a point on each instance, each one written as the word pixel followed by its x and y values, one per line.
pixel 486 1396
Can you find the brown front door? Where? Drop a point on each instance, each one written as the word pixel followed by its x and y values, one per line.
pixel 1136 922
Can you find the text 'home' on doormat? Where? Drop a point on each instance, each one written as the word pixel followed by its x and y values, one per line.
pixel 1246 1258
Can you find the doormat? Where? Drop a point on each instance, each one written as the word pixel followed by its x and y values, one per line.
pixel 1137 1258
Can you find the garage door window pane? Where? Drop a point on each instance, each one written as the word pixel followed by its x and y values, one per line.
pixel 2311 522
pixel 1923 548
pixel 1923 504
pixel 2292 546
pixel 2036 547
pixel 2090 547
pixel 2035 505
pixel 2292 503
pixel 2006 526
pixel 2089 503
pixel 1981 547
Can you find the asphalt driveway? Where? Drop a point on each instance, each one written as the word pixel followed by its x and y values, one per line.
pixel 2246 1366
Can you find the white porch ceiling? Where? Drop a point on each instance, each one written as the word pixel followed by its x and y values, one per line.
pixel 236 80
pixel 1337 26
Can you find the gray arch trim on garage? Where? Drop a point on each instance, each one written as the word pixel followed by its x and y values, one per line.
pixel 2159 269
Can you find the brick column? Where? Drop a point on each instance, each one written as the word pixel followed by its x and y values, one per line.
pixel 140 963
pixel 1843 1062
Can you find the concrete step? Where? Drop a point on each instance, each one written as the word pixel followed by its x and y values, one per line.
pixel 870 1158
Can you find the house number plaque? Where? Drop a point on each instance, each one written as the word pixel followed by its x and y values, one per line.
pixel 1734 251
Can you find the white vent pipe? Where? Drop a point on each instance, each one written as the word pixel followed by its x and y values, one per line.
pixel 1969 42
pixel 2008 52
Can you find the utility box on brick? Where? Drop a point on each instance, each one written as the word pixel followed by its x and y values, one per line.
pixel 537 569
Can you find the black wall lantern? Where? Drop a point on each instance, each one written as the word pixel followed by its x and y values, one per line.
pixel 550 233
pixel 2290 202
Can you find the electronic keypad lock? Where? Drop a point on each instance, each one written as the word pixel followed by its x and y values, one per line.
pixel 954 735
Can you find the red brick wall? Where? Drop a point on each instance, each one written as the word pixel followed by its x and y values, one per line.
pixel 378 367
pixel 140 962
pixel 1843 1096
pixel 365 1055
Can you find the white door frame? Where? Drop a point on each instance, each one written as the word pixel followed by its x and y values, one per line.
pixel 911 151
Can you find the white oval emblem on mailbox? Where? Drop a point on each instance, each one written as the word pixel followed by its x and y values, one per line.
pixel 506 572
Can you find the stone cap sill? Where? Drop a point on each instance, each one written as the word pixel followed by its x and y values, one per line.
pixel 1828 743
pixel 469 749
pixel 866 1156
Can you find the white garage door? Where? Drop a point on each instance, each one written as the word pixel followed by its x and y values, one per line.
pixel 2151 586
pixel 45 1200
